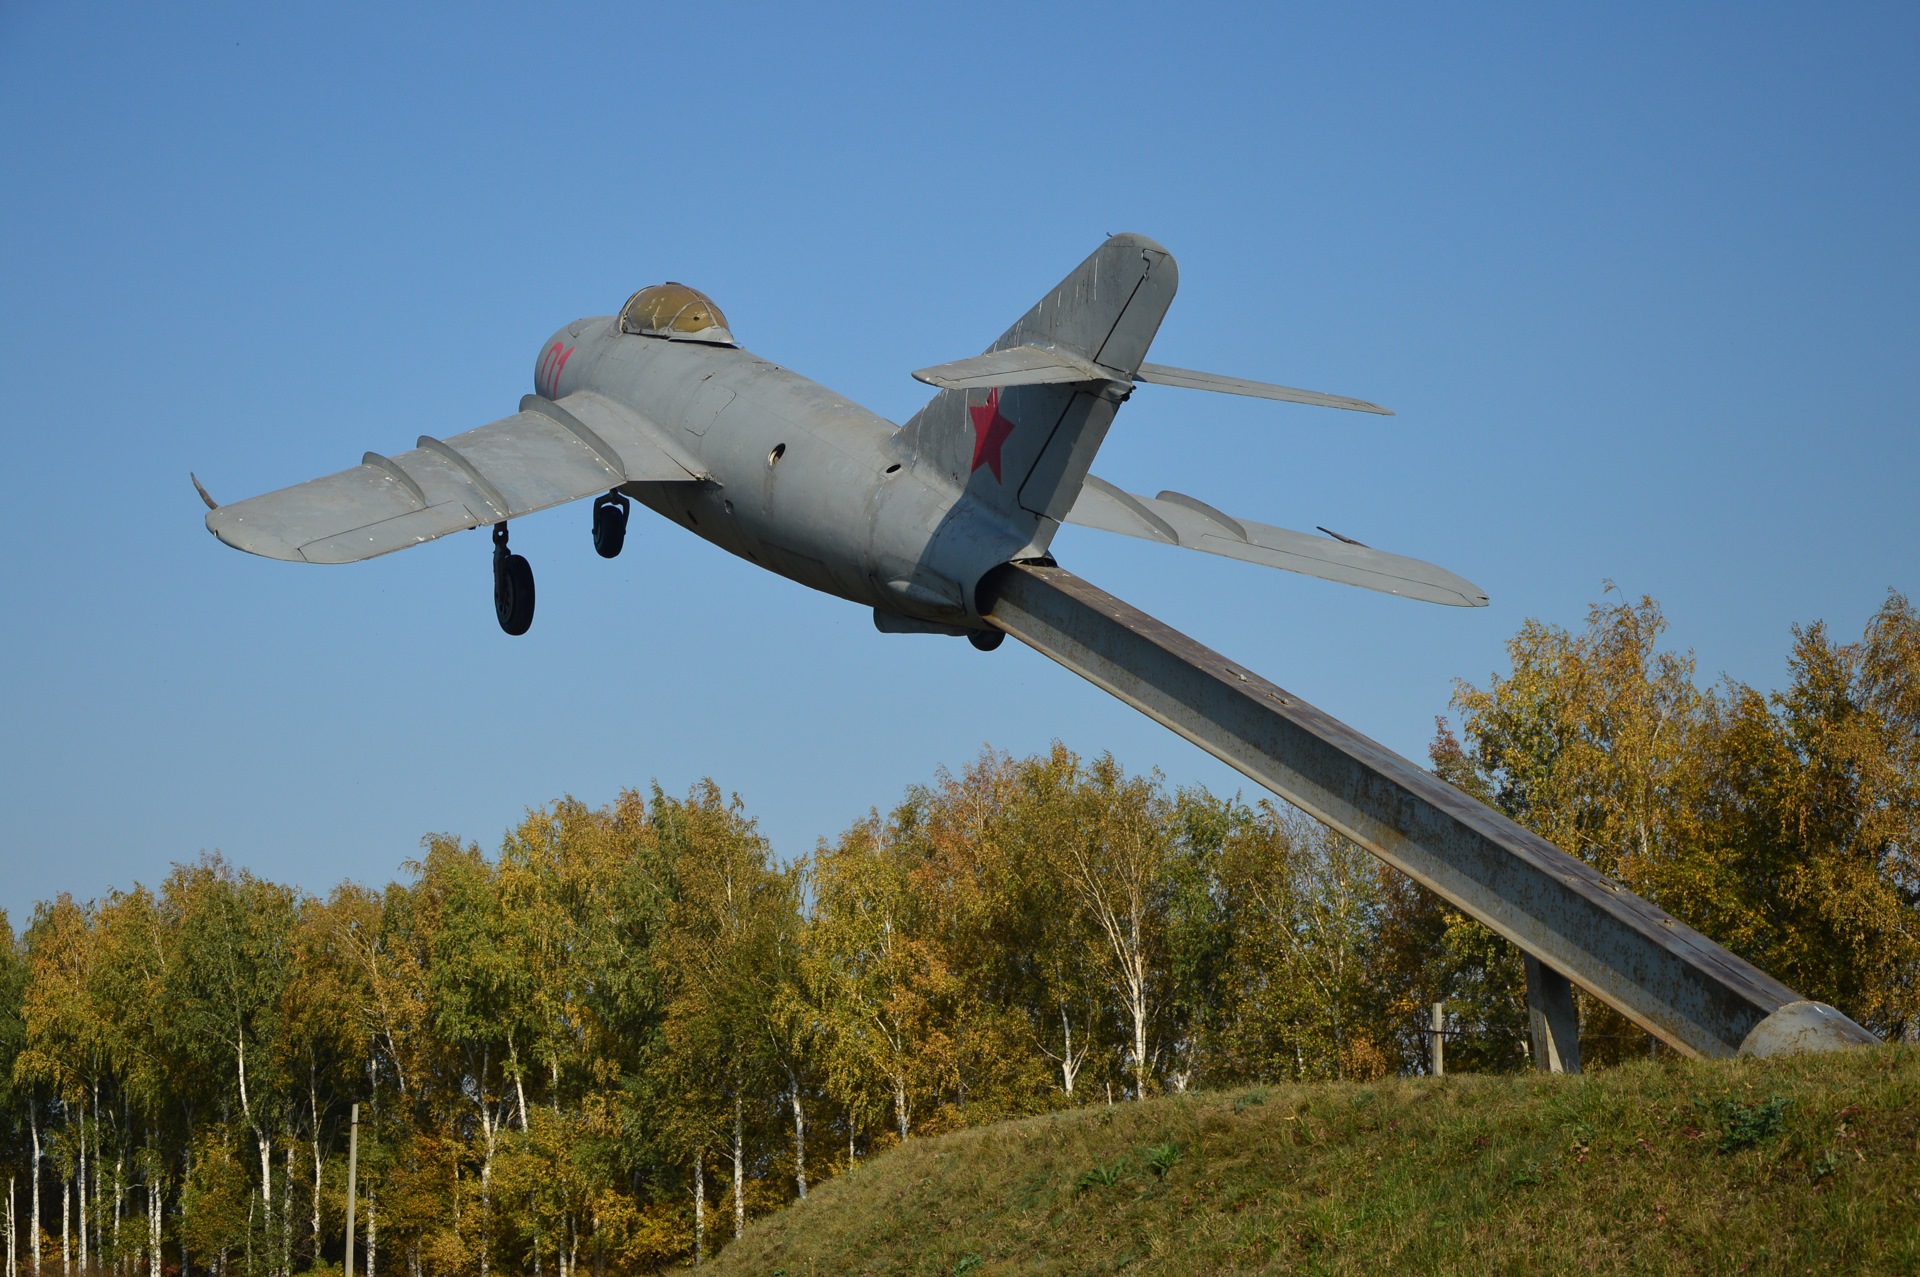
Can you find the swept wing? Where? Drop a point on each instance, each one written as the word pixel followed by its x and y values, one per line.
pixel 1174 518
pixel 548 453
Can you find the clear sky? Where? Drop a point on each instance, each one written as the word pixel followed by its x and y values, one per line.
pixel 1641 285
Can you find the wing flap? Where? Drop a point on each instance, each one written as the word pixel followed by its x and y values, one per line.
pixel 1176 519
pixel 533 460
pixel 1015 366
pixel 1189 379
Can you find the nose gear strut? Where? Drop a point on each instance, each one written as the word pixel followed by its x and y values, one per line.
pixel 512 585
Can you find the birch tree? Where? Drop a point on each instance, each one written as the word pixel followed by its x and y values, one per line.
pixel 15 1096
pixel 722 955
pixel 881 984
pixel 229 986
pixel 1108 838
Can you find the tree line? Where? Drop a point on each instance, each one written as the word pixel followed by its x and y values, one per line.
pixel 630 1029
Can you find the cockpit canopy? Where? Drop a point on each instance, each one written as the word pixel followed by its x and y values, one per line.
pixel 677 313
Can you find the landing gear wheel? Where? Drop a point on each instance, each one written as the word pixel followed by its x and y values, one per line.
pixel 512 586
pixel 986 640
pixel 609 524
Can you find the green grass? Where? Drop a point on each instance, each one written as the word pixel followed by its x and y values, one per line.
pixel 1802 1165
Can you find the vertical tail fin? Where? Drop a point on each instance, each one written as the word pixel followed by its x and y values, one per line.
pixel 1026 449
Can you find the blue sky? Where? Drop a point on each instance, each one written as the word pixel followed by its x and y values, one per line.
pixel 1641 285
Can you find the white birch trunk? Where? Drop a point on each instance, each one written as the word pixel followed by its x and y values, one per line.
pixel 259 1134
pixel 99 1223
pixel 153 1226
pixel 799 1139
pixel 519 1091
pixel 80 1191
pixel 313 1103
pixel 1123 920
pixel 373 1234
pixel 119 1200
pixel 286 1208
pixel 1139 1009
pixel 33 1122
pixel 739 1171
pixel 1070 1062
pixel 699 1206
pixel 66 1225
pixel 266 1177
pixel 491 1129
pixel 900 1108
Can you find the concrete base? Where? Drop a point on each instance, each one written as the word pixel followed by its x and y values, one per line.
pixel 1805 1026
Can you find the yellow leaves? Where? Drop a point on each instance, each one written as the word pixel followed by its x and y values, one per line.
pixel 1783 825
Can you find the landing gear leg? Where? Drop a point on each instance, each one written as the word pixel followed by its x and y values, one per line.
pixel 512 585
pixel 609 524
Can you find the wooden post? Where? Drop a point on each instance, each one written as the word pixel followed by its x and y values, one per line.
pixel 353 1179
pixel 1438 1036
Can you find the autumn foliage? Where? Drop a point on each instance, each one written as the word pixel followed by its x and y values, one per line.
pixel 631 1029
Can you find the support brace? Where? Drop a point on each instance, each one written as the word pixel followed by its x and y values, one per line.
pixel 1551 1016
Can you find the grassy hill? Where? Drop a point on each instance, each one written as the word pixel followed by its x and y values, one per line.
pixel 1801 1165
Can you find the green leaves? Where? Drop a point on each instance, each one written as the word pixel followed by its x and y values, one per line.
pixel 1744 1125
pixel 1162 1158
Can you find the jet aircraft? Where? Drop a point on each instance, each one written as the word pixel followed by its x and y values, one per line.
pixel 661 405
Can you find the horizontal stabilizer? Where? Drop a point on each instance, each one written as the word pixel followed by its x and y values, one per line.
pixel 546 454
pixel 1188 379
pixel 1177 519
pixel 1015 366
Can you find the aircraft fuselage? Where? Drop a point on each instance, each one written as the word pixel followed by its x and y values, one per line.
pixel 804 482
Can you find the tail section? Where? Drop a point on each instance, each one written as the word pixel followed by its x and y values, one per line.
pixel 1025 448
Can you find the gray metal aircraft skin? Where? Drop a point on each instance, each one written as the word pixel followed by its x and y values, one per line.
pixel 658 404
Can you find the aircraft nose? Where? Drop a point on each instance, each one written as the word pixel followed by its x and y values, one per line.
pixel 550 369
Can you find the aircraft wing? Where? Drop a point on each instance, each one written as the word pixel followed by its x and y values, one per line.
pixel 1177 519
pixel 546 454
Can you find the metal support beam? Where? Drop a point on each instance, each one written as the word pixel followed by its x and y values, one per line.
pixel 1658 972
pixel 1552 1019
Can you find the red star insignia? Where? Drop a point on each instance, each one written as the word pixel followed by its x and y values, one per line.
pixel 990 430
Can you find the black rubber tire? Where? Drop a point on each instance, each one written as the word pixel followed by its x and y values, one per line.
pixel 513 593
pixel 986 640
pixel 609 529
